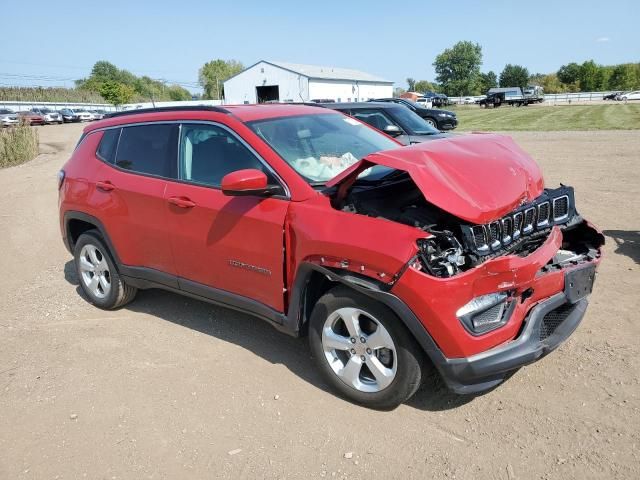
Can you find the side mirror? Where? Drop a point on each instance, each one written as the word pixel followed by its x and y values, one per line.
pixel 393 130
pixel 247 182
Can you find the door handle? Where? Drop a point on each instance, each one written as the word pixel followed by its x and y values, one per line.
pixel 182 202
pixel 105 186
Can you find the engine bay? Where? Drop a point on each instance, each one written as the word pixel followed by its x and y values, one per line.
pixel 455 245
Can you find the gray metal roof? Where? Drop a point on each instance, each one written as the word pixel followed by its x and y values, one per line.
pixel 326 73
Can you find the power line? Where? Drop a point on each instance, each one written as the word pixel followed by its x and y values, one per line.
pixel 188 83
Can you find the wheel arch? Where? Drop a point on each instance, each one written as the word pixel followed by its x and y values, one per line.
pixel 312 281
pixel 76 223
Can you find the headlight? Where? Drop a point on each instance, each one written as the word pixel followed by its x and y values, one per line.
pixel 485 313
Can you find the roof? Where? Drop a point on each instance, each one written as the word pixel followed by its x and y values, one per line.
pixel 503 89
pixel 322 72
pixel 248 113
pixel 244 113
pixel 360 105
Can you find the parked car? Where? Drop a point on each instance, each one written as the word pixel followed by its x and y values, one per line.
pixel 437 99
pixel 440 119
pixel 630 96
pixel 83 114
pixel 97 114
pixel 69 115
pixel 31 118
pixel 393 119
pixel 612 96
pixel 468 100
pixel 50 116
pixel 395 261
pixel 8 118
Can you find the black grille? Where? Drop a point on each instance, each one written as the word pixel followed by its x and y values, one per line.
pixel 554 318
pixel 554 207
pixel 507 229
pixel 518 220
pixel 480 238
pixel 560 207
pixel 543 213
pixel 529 218
pixel 494 234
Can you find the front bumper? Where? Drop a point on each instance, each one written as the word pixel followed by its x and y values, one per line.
pixel 447 123
pixel 471 363
pixel 548 324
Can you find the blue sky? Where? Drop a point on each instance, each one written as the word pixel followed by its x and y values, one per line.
pixel 50 43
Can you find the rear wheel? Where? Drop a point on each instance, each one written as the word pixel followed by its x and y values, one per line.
pixel 363 350
pixel 97 274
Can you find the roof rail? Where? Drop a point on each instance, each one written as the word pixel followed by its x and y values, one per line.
pixel 189 108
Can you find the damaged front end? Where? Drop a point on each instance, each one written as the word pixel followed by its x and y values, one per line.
pixel 476 198
pixel 492 244
pixel 452 246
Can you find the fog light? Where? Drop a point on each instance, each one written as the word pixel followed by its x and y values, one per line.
pixel 484 313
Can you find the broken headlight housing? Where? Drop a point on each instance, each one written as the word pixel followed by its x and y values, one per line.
pixel 441 254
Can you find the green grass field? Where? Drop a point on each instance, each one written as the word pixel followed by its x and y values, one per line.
pixel 617 116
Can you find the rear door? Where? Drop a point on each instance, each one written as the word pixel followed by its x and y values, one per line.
pixel 233 244
pixel 131 186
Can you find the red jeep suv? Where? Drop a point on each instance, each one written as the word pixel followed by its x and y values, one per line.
pixel 394 261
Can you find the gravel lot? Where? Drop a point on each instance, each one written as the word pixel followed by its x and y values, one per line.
pixel 170 387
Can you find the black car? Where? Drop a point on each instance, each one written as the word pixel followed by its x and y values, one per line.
pixel 612 96
pixel 437 99
pixel 69 115
pixel 394 120
pixel 440 119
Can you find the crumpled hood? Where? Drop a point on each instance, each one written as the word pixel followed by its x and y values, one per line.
pixel 476 177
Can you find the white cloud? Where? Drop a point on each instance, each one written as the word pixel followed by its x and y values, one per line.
pixel 603 39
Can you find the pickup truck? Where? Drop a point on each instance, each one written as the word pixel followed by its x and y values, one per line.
pixel 512 96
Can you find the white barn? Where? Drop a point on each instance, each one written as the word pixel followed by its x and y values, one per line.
pixel 292 82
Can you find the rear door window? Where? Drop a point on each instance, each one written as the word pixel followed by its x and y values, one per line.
pixel 149 149
pixel 376 118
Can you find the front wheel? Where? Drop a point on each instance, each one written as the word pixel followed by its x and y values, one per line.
pixel 363 350
pixel 431 122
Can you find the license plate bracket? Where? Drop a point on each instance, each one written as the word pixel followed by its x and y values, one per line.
pixel 578 282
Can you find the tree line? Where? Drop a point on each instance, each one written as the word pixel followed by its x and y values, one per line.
pixel 120 86
pixel 458 73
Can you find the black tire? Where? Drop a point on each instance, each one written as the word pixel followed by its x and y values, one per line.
pixel 119 293
pixel 411 363
pixel 432 122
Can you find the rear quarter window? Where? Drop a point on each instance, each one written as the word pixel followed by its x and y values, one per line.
pixel 107 148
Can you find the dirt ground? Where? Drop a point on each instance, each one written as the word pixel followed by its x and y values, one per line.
pixel 170 387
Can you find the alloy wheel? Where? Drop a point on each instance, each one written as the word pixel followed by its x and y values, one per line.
pixel 359 350
pixel 94 271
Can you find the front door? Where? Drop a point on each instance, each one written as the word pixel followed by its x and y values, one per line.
pixel 234 244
